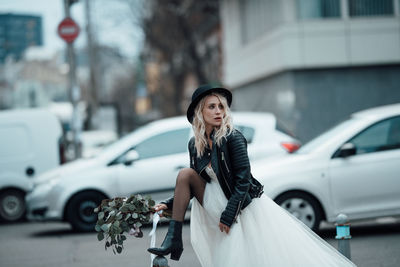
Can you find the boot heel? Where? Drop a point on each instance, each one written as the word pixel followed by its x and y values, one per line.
pixel 176 254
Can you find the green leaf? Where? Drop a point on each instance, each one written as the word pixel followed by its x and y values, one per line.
pixel 124 226
pixel 151 203
pixel 134 215
pixel 104 227
pixel 97 228
pixel 116 224
pixel 123 238
pixel 100 216
pixel 96 210
pixel 118 230
pixel 119 250
pixel 108 244
pixel 100 236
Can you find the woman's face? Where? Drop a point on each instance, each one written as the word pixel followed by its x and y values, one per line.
pixel 213 111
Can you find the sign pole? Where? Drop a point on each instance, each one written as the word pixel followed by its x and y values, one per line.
pixel 75 93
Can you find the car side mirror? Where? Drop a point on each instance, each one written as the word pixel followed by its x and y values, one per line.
pixel 347 150
pixel 130 157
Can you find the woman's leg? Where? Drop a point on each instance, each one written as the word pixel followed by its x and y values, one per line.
pixel 188 184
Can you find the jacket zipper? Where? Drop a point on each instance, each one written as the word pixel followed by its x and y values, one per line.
pixel 227 185
pixel 203 169
pixel 237 211
pixel 223 159
pixel 239 208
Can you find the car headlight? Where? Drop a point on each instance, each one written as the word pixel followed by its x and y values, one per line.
pixel 45 187
pixel 49 177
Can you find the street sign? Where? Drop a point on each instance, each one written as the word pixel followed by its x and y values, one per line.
pixel 68 30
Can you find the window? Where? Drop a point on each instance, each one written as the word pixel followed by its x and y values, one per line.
pixel 384 135
pixel 258 17
pixel 370 7
pixel 318 9
pixel 281 128
pixel 315 143
pixel 163 144
pixel 248 132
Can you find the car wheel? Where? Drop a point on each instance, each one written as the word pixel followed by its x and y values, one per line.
pixel 302 206
pixel 12 205
pixel 80 212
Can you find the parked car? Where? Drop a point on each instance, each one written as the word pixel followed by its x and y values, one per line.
pixel 146 161
pixel 30 144
pixel 94 141
pixel 352 168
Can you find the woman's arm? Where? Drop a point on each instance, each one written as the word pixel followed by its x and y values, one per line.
pixel 240 174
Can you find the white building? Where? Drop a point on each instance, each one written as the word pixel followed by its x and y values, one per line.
pixel 311 62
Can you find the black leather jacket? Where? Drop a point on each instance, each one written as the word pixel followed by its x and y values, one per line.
pixel 230 163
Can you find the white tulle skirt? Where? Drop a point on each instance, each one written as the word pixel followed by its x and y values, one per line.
pixel 265 235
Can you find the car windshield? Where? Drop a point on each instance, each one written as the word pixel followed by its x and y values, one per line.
pixel 324 137
pixel 114 146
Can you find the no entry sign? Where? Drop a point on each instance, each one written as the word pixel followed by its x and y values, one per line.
pixel 68 30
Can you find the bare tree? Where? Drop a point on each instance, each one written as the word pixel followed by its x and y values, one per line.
pixel 177 40
pixel 175 35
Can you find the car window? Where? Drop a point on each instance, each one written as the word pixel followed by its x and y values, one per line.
pixel 248 132
pixel 163 144
pixel 384 135
pixel 324 137
pixel 282 128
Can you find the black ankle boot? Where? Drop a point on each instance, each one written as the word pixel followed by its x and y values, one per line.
pixel 172 242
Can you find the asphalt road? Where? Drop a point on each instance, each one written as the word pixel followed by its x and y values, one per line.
pixel 374 244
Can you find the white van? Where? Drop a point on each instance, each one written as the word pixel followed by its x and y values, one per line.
pixel 29 145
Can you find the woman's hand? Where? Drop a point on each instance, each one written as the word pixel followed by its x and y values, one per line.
pixel 159 207
pixel 224 228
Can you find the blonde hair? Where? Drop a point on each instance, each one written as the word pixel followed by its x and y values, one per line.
pixel 199 127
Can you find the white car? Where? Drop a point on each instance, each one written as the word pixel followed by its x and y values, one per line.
pixel 354 169
pixel 94 141
pixel 146 161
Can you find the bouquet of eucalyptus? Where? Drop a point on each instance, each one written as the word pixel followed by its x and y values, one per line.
pixel 122 215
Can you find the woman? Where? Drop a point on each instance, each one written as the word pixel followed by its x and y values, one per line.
pixel 232 222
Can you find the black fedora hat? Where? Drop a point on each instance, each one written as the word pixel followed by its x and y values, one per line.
pixel 203 91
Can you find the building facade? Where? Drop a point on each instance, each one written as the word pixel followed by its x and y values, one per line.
pixel 18 32
pixel 314 62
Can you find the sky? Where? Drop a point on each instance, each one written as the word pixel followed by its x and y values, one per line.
pixel 109 28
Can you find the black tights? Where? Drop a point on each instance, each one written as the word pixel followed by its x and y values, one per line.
pixel 188 184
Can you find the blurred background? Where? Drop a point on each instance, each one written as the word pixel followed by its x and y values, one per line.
pixel 310 63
